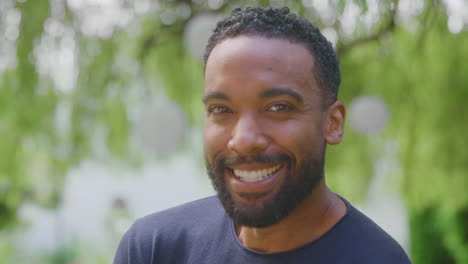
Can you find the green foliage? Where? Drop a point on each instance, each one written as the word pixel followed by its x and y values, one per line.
pixel 62 256
pixel 181 75
pixel 438 236
pixel 24 111
pixel 427 238
pixel 349 166
pixel 75 252
pixel 423 79
pixel 7 253
pixel 456 234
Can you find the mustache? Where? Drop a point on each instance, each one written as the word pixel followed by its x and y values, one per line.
pixel 223 162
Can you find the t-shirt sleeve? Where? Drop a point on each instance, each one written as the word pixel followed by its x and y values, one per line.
pixel 134 247
pixel 121 256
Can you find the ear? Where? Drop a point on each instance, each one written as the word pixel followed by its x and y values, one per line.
pixel 333 128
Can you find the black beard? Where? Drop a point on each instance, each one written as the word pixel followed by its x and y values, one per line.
pixel 295 188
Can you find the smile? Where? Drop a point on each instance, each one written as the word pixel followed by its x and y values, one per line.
pixel 255 175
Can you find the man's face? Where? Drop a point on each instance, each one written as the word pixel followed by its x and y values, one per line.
pixel 264 142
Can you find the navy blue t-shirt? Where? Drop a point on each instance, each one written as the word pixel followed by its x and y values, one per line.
pixel 200 232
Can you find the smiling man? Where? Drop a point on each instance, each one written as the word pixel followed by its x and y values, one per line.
pixel 271 85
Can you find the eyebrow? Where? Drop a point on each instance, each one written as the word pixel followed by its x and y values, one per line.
pixel 273 92
pixel 215 95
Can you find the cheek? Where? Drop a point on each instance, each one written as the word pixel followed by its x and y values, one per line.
pixel 215 140
pixel 298 137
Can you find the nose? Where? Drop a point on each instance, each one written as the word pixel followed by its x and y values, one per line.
pixel 248 136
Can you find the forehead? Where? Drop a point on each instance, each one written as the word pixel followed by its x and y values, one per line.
pixel 260 58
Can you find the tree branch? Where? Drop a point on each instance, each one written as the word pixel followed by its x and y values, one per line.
pixel 388 27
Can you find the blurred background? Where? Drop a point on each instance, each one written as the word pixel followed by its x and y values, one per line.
pixel 101 119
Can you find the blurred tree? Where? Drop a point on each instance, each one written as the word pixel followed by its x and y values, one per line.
pixel 401 52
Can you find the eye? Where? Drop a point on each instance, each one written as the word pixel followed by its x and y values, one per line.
pixel 280 107
pixel 218 109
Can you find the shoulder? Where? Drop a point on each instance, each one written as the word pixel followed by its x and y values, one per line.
pixel 168 234
pixel 196 213
pixel 369 241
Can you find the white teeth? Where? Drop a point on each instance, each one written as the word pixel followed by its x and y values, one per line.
pixel 253 176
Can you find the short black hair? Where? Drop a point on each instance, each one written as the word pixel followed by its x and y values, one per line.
pixel 281 23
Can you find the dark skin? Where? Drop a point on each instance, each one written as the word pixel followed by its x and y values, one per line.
pixel 262 96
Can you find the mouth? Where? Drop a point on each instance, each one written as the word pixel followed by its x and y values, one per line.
pixel 255 175
pixel 255 180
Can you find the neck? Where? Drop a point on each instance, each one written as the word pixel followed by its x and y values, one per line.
pixel 317 214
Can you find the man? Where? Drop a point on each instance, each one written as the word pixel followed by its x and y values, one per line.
pixel 271 85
